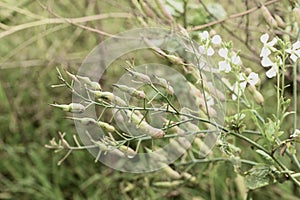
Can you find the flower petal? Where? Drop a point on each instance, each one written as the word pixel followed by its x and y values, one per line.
pixel 272 72
pixel 296 45
pixel 223 52
pixel 210 51
pixel 265 51
pixel 264 38
pixel 204 35
pixel 273 42
pixel 293 57
pixel 266 62
pixel 253 78
pixel 224 66
pixel 216 39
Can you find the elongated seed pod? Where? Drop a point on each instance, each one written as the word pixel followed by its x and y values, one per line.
pixel 280 21
pixel 164 83
pixel 72 107
pixel 84 120
pixel 268 17
pixel 168 184
pixel 106 126
pixel 144 126
pixel 129 152
pixel 258 98
pixel 296 13
pixel 147 10
pixel 132 91
pixel 139 76
pixel 171 172
pixel 189 177
pixel 164 10
pixel 94 85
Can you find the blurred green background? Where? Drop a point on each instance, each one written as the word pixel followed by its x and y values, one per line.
pixel 28 60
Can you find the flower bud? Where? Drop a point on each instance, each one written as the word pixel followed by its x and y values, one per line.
pixel 72 107
pixel 85 120
pixel 258 98
pixel 189 177
pixel 103 95
pixel 248 71
pixel 72 76
pixel 251 88
pixel 268 17
pixel 174 59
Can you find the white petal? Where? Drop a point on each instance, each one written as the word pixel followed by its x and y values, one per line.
pixel 235 59
pixel 294 57
pixel 265 51
pixel 204 35
pixel 210 51
pixel 272 72
pixel 266 62
pixel 216 39
pixel 224 66
pixel 223 52
pixel 243 86
pixel 297 52
pixel 296 45
pixel 201 49
pixel 273 42
pixel 253 78
pixel 264 38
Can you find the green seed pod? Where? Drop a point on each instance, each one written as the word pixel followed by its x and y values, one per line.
pixel 203 148
pixel 168 184
pixel 171 172
pixel 251 88
pixel 72 76
pixel 106 126
pixel 72 107
pixel 174 59
pixel 258 98
pixel 132 91
pixel 103 95
pixel 139 76
pixel 268 17
pixel 177 147
pixel 189 177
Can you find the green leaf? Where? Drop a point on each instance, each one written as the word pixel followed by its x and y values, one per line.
pixel 259 176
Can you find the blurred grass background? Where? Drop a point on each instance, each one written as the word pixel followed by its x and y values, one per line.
pixel 27 70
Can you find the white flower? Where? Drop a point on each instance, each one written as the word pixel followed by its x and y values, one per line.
pixel 216 39
pixel 266 62
pixel 265 51
pixel 252 79
pixel 209 51
pixel 204 35
pixel 272 71
pixel 225 65
pixel 294 51
pixel 239 87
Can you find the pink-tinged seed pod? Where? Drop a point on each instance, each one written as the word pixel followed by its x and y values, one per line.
pixel 296 13
pixel 203 148
pixel 94 85
pixel 132 91
pixel 177 147
pixel 106 126
pixel 85 120
pixel 144 126
pixel 268 17
pixel 72 76
pixel 164 83
pixel 171 172
pixel 72 107
pixel 139 76
pixel 147 10
pixel 164 10
pixel 185 143
pixel 168 184
pixel 280 21
pixel 258 98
